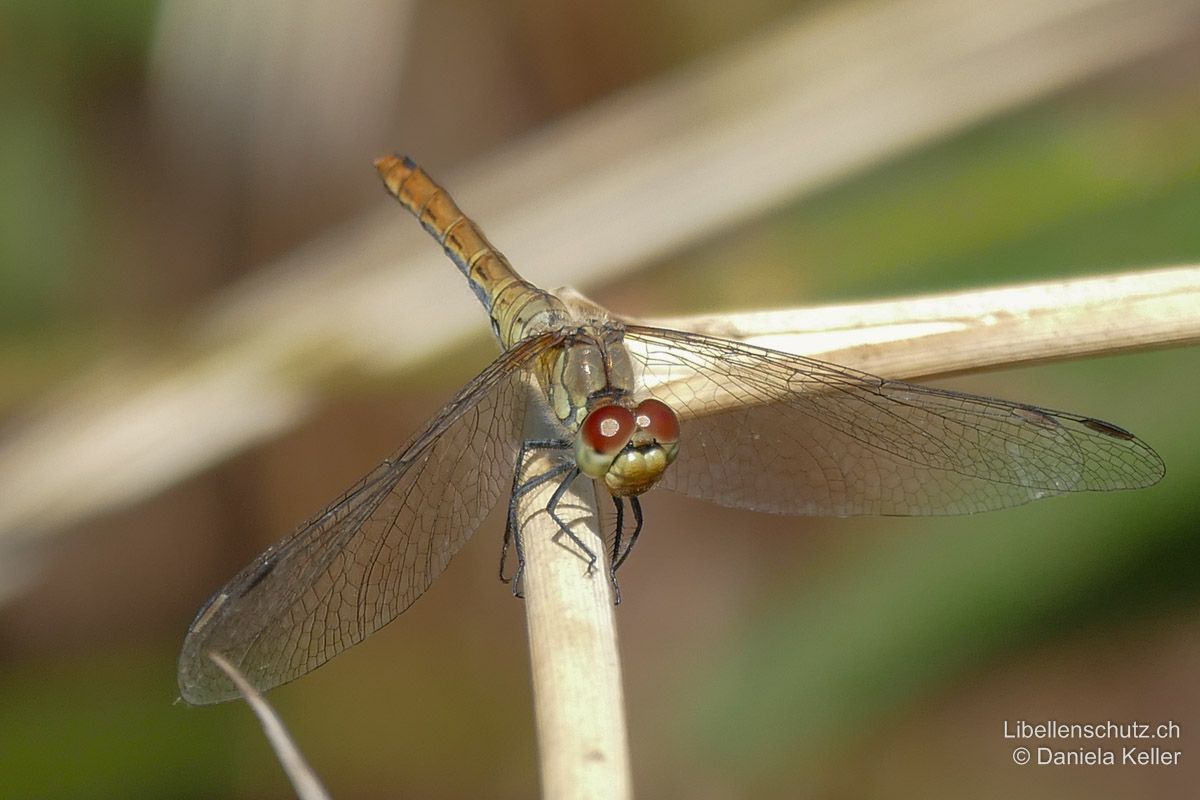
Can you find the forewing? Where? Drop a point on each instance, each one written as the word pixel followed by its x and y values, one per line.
pixel 354 567
pixel 771 431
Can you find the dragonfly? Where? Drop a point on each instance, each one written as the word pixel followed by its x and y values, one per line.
pixel 630 407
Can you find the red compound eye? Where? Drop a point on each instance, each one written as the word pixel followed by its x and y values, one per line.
pixel 606 430
pixel 657 418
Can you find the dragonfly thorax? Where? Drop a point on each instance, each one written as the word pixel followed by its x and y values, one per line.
pixel 628 448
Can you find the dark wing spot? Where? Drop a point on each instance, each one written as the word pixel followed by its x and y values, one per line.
pixel 264 569
pixel 1035 416
pixel 1108 429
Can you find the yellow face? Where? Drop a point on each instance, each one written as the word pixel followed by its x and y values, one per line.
pixel 628 449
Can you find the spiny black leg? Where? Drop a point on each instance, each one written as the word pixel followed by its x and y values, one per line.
pixel 511 529
pixel 508 525
pixel 637 516
pixel 616 548
pixel 521 487
pixel 551 509
pixel 515 529
pixel 518 588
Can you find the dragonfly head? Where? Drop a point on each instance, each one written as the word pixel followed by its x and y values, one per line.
pixel 628 449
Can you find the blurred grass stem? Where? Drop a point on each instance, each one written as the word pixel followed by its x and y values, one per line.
pixel 306 783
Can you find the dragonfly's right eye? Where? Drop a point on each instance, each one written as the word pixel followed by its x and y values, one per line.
pixel 601 436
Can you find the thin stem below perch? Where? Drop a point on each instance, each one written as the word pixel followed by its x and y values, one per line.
pixel 578 698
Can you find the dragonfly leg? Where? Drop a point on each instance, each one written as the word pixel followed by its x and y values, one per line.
pixel 512 529
pixel 637 531
pixel 551 509
pixel 520 488
pixel 616 548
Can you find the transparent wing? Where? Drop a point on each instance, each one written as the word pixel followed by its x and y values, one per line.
pixel 351 569
pixel 776 432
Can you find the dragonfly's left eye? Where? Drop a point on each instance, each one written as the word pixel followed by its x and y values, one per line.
pixel 656 418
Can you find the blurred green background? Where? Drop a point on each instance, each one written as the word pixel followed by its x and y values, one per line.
pixel 764 657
